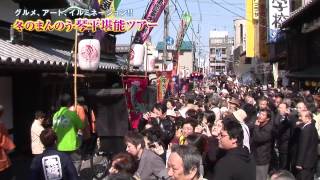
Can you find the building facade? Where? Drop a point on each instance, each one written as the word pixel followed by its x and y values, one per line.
pixel 243 66
pixel 298 46
pixel 220 45
pixel 186 59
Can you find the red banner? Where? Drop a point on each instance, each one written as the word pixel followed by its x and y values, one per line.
pixel 135 87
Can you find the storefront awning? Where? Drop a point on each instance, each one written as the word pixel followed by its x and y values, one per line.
pixel 308 73
pixel 306 13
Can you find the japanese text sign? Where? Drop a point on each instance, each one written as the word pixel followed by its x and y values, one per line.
pixel 279 11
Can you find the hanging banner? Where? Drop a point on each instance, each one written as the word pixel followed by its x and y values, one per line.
pixel 250 29
pixel 279 11
pixel 135 87
pixel 109 6
pixel 152 15
pixel 163 86
pixel 185 22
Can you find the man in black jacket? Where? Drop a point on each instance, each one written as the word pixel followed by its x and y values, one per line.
pixel 262 144
pixel 52 164
pixel 307 147
pixel 282 130
pixel 237 163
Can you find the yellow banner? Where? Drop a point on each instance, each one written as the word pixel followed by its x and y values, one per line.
pixel 250 29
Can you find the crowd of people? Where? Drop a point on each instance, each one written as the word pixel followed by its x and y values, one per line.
pixel 219 130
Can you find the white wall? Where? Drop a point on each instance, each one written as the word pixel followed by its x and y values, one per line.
pixel 6 100
pixel 185 63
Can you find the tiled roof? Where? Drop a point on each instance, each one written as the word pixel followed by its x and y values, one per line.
pixel 40 54
pixel 299 12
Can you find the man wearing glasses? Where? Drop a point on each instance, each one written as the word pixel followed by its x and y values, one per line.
pixel 237 160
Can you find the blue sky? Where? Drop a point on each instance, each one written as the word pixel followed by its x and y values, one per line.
pixel 213 17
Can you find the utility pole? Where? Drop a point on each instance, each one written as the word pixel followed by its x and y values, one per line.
pixel 165 34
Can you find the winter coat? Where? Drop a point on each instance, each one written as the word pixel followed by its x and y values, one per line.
pixel 262 143
pixel 236 164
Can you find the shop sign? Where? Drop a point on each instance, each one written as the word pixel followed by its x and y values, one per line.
pixel 255 9
pixel 279 11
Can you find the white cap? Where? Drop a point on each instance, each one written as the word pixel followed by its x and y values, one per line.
pixel 224 91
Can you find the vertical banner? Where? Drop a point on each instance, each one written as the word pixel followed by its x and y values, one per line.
pixel 263 38
pixel 152 15
pixel 109 6
pixel 185 22
pixel 135 87
pixel 163 85
pixel 256 10
pixel 279 11
pixel 250 29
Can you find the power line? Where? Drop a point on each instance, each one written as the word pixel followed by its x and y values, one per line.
pixel 216 3
pixel 200 12
pixel 179 18
pixel 189 14
pixel 233 5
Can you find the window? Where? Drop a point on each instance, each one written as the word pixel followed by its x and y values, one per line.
pixel 212 50
pixel 223 50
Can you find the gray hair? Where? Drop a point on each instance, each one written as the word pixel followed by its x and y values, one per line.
pixel 190 156
pixel 282 175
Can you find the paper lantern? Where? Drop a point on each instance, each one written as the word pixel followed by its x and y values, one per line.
pixel 307 83
pixel 314 84
pixel 136 54
pixel 151 62
pixel 89 54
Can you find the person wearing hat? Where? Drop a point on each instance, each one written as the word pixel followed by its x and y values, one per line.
pixel 233 104
pixel 224 93
pixel 241 115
